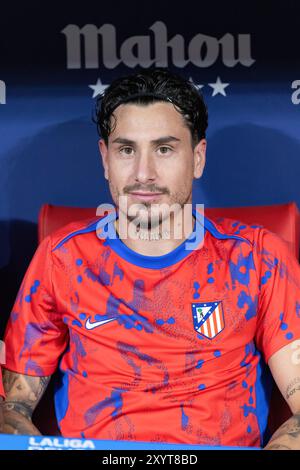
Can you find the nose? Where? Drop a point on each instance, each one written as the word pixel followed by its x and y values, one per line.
pixel 145 170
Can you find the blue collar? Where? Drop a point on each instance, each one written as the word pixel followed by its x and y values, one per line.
pixel 201 226
pixel 156 262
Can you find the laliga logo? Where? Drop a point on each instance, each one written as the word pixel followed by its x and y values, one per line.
pixel 201 51
pixel 58 443
pixel 2 92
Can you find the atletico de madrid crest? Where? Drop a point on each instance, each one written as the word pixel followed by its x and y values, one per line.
pixel 208 318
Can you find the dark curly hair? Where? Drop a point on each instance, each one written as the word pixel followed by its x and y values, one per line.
pixel 147 86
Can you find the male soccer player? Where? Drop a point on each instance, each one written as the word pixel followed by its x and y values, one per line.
pixel 154 341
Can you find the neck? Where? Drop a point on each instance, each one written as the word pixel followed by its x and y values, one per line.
pixel 156 242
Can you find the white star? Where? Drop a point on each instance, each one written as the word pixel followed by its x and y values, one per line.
pixel 218 87
pixel 196 85
pixel 98 88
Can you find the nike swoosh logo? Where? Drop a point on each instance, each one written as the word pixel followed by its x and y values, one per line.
pixel 95 324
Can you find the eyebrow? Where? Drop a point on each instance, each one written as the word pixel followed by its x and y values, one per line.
pixel 160 140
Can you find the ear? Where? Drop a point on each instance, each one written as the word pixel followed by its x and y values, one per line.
pixel 199 158
pixel 104 153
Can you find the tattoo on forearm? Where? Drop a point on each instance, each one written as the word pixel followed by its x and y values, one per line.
pixel 23 393
pixel 292 387
pixel 278 447
pixel 290 429
pixel 292 391
pixel 21 408
pixel 15 423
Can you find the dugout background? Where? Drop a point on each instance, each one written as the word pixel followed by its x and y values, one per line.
pixel 48 143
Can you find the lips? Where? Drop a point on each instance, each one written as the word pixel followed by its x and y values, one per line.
pixel 145 196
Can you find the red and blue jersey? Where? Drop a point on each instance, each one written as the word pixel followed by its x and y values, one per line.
pixel 166 348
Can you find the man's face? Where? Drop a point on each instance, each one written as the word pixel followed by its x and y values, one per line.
pixel 149 157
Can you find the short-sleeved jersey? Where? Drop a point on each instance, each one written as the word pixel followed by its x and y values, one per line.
pixel 167 348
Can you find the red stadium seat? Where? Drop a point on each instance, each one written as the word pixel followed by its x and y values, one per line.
pixel 282 219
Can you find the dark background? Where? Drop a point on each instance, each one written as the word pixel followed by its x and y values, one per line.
pixel 48 143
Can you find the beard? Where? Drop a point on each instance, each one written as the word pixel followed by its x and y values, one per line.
pixel 150 216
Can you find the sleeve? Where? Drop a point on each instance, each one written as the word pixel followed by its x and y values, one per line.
pixel 36 335
pixel 278 320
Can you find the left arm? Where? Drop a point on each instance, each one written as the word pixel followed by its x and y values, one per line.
pixel 285 368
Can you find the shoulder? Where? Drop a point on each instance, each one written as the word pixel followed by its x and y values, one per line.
pixel 226 228
pixel 262 240
pixel 77 230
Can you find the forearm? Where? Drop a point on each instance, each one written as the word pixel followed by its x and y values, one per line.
pixel 16 420
pixel 287 437
pixel 22 396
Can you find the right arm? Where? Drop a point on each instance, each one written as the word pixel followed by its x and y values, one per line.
pixel 35 337
pixel 23 392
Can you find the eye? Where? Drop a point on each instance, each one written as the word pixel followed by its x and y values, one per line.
pixel 164 150
pixel 126 150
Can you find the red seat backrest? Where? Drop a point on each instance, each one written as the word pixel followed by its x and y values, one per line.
pixel 282 219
